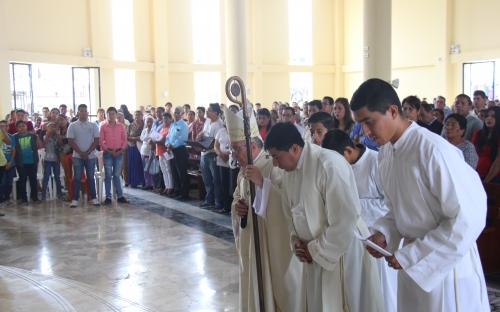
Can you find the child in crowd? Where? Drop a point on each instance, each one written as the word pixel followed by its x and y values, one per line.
pixel 364 164
pixel 51 165
pixel 26 155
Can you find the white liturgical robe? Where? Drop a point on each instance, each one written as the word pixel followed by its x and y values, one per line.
pixel 322 205
pixel 276 256
pixel 372 208
pixel 437 205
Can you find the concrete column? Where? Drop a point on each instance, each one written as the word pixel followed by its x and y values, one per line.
pixel 160 26
pixel 236 57
pixel 377 39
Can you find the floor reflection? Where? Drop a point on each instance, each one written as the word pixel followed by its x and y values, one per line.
pixel 122 255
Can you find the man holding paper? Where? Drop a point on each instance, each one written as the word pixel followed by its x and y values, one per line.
pixel 322 207
pixel 437 206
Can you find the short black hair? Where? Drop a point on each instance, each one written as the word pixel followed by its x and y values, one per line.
pixel 111 109
pixel 215 107
pixel 20 110
pixel 480 93
pixel 376 95
pixel 322 117
pixel 427 107
pixel 186 105
pixel 167 115
pixel 66 106
pixel 200 108
pixel 329 100
pixel 466 97
pixel 337 140
pixel 282 136
pixel 462 121
pixel 413 101
pixel 316 103
pixel 264 112
pixel 81 106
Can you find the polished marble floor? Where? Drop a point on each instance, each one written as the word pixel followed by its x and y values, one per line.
pixel 153 254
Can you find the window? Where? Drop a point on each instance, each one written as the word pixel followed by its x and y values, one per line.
pixel 300 32
pixel 479 76
pixel 125 87
pixel 207 88
pixel 206 31
pixel 122 23
pixel 301 85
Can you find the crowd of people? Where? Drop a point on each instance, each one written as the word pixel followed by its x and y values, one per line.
pixel 151 148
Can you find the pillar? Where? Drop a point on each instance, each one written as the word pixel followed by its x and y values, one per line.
pixel 236 58
pixel 377 39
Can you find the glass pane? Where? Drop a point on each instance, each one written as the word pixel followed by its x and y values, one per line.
pixel 81 83
pixel 21 86
pixel 206 31
pixel 479 76
pixel 301 87
pixel 300 32
pixel 207 88
pixel 51 86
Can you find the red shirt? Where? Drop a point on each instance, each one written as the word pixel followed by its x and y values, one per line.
pixel 484 160
pixel 160 147
pixel 263 133
pixel 13 128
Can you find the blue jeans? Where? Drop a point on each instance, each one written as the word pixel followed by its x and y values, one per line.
pixel 51 167
pixel 78 165
pixel 112 169
pixel 6 184
pixel 211 179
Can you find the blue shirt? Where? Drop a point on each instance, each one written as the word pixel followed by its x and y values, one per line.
pixel 177 134
pixel 7 148
pixel 358 135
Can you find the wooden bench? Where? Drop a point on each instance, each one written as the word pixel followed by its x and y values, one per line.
pixel 488 242
pixel 194 173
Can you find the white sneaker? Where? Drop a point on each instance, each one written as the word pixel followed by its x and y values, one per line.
pixel 74 204
pixel 95 202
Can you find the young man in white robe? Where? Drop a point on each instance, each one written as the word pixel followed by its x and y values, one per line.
pixel 364 163
pixel 437 206
pixel 321 203
pixel 276 257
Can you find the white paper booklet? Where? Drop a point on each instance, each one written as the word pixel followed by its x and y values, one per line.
pixel 371 244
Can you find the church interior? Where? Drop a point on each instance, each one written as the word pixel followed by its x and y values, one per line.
pixel 153 223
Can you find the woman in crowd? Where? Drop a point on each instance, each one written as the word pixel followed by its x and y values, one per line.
pixel 455 126
pixel 487 142
pixel 65 152
pixel 264 122
pixel 411 106
pixel 135 168
pixel 126 114
pixel 274 117
pixel 342 117
pixel 147 152
pixel 101 116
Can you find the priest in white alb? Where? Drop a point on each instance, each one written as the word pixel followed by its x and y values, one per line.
pixel 437 206
pixel 321 203
pixel 276 257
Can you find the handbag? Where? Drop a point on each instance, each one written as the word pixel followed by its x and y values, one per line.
pixel 153 166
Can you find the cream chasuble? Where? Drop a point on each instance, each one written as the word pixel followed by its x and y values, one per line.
pixel 279 288
pixel 321 203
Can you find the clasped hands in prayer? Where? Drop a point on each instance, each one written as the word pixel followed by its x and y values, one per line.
pixel 379 239
pixel 301 251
